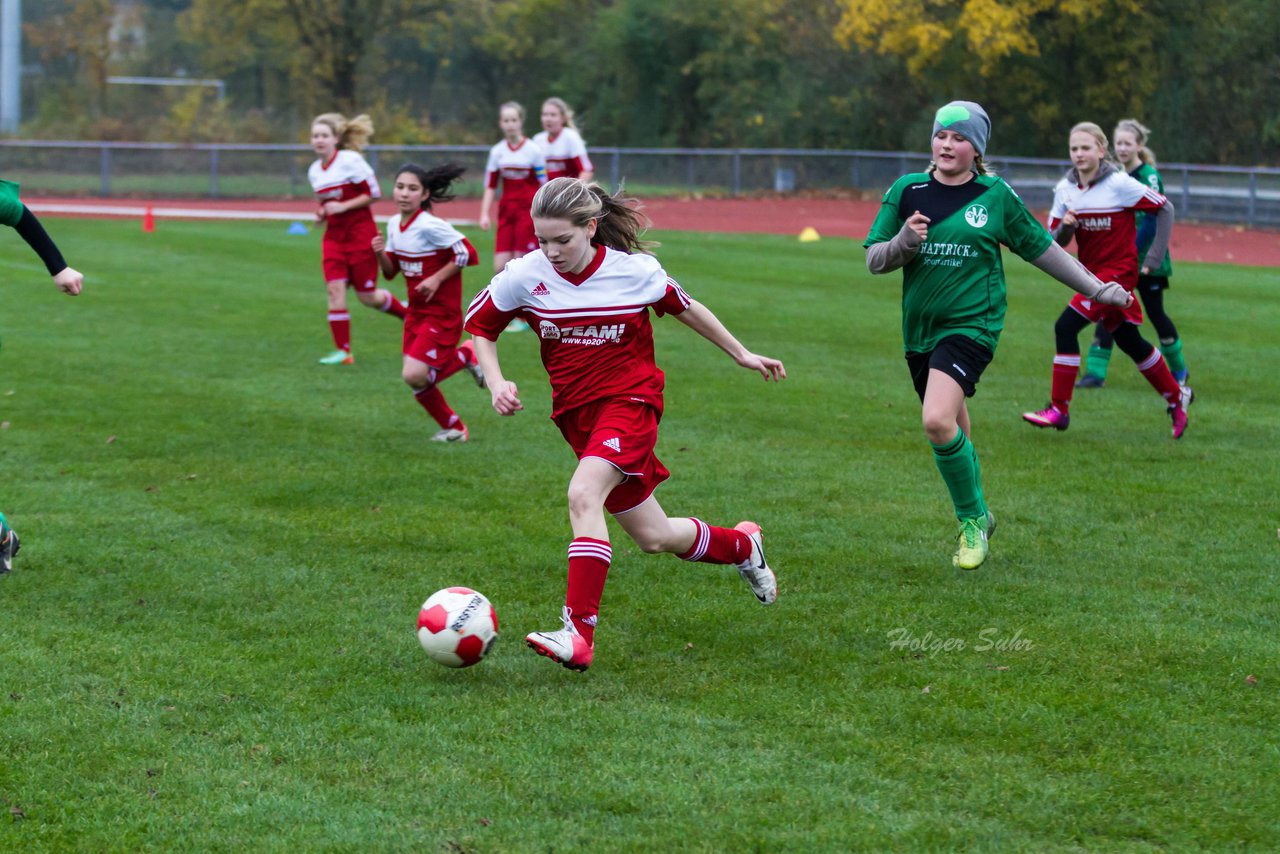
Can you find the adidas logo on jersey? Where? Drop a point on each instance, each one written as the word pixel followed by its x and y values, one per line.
pixel 540 291
pixel 614 444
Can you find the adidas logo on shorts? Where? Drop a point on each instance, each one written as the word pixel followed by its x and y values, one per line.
pixel 614 444
pixel 540 291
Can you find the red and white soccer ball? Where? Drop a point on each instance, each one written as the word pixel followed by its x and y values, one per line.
pixel 457 626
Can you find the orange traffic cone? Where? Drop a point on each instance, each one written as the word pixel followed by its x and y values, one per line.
pixel 148 221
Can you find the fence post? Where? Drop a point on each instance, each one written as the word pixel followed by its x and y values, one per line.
pixel 688 172
pixel 1253 196
pixel 213 172
pixel 615 170
pixel 854 179
pixel 104 171
pixel 737 172
pixel 1186 192
pixel 293 174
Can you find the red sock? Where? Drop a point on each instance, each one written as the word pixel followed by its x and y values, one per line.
pixel 717 545
pixel 393 306
pixel 589 560
pixel 1157 372
pixel 437 407
pixel 340 326
pixel 1066 367
pixel 451 367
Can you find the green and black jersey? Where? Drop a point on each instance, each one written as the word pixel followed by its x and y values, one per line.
pixel 1147 175
pixel 955 283
pixel 10 204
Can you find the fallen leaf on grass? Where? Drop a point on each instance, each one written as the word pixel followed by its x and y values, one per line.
pixel 1251 679
pixel 4 425
pixel 17 813
pixel 926 689
pixel 111 440
pixel 486 822
pixel 191 477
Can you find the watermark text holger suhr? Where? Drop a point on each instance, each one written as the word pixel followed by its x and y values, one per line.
pixel 990 639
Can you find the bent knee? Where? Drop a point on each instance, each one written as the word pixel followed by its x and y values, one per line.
pixel 939 427
pixel 417 378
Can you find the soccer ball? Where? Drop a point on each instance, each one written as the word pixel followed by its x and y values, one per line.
pixel 457 626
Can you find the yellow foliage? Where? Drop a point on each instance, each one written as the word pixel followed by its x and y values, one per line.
pixel 918 31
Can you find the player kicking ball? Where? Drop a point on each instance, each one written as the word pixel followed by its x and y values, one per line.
pixel 587 295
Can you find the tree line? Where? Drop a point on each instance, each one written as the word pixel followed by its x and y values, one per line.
pixel 863 74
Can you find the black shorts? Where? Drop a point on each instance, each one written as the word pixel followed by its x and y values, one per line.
pixel 1153 283
pixel 957 356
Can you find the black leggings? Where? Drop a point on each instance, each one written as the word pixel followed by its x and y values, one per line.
pixel 1126 336
pixel 1153 305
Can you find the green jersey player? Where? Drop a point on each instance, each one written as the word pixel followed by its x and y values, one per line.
pixel 17 216
pixel 943 228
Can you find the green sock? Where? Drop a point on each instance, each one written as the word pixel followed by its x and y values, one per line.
pixel 1173 355
pixel 958 465
pixel 1097 360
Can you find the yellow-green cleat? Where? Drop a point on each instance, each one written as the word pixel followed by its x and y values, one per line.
pixel 338 357
pixel 974 534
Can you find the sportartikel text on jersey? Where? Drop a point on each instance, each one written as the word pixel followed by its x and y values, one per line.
pixel 521 170
pixel 566 153
pixel 346 176
pixel 1106 229
pixel 420 245
pixel 596 335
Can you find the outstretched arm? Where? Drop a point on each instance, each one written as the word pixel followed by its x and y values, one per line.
pixel 1057 262
pixel 700 319
pixel 69 281
pixel 506 400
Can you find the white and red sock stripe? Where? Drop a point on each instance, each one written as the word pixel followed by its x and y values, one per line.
pixel 590 547
pixel 701 540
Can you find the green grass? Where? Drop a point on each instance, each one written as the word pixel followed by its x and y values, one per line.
pixel 208 637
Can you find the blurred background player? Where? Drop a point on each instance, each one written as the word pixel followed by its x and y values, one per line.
pixel 1096 202
pixel 431 254
pixel 518 166
pixel 1130 143
pixel 953 302
pixel 19 217
pixel 561 143
pixel 345 188
pixel 589 292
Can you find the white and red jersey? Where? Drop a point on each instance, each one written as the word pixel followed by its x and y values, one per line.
pixel 344 177
pixel 420 245
pixel 597 340
pixel 1106 223
pixel 521 169
pixel 566 153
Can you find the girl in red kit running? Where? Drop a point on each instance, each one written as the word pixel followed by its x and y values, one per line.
pixel 345 187
pixel 560 141
pixel 431 254
pixel 1096 203
pixel 588 293
pixel 519 166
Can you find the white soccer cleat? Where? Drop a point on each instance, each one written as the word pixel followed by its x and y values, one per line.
pixel 565 646
pixel 452 434
pixel 754 570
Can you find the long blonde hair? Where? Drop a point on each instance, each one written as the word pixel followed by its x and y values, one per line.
pixel 1141 133
pixel 351 133
pixel 619 222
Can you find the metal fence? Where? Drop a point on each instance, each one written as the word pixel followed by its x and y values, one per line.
pixel 1231 194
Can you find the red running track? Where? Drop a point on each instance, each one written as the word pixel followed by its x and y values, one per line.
pixel 1221 244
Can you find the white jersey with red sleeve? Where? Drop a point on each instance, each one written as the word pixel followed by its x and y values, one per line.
pixel 346 175
pixel 566 153
pixel 1106 225
pixel 597 340
pixel 521 169
pixel 420 245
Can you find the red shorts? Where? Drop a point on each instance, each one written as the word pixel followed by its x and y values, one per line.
pixel 1108 315
pixel 515 230
pixel 357 266
pixel 425 341
pixel 623 434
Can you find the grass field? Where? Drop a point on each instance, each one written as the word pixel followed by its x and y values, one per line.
pixel 207 641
